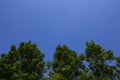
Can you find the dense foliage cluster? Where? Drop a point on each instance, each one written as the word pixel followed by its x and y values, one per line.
pixel 27 63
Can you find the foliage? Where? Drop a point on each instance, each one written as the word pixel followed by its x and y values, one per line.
pixel 27 63
pixel 23 63
pixel 98 62
pixel 66 63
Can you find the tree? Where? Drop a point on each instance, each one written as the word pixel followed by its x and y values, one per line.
pixel 99 62
pixel 66 65
pixel 22 63
pixel 118 68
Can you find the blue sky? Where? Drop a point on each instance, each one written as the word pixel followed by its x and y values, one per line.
pixel 52 22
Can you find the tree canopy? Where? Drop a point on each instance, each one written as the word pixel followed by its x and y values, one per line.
pixel 22 63
pixel 27 63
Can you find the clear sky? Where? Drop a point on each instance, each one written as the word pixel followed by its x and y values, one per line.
pixel 52 22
